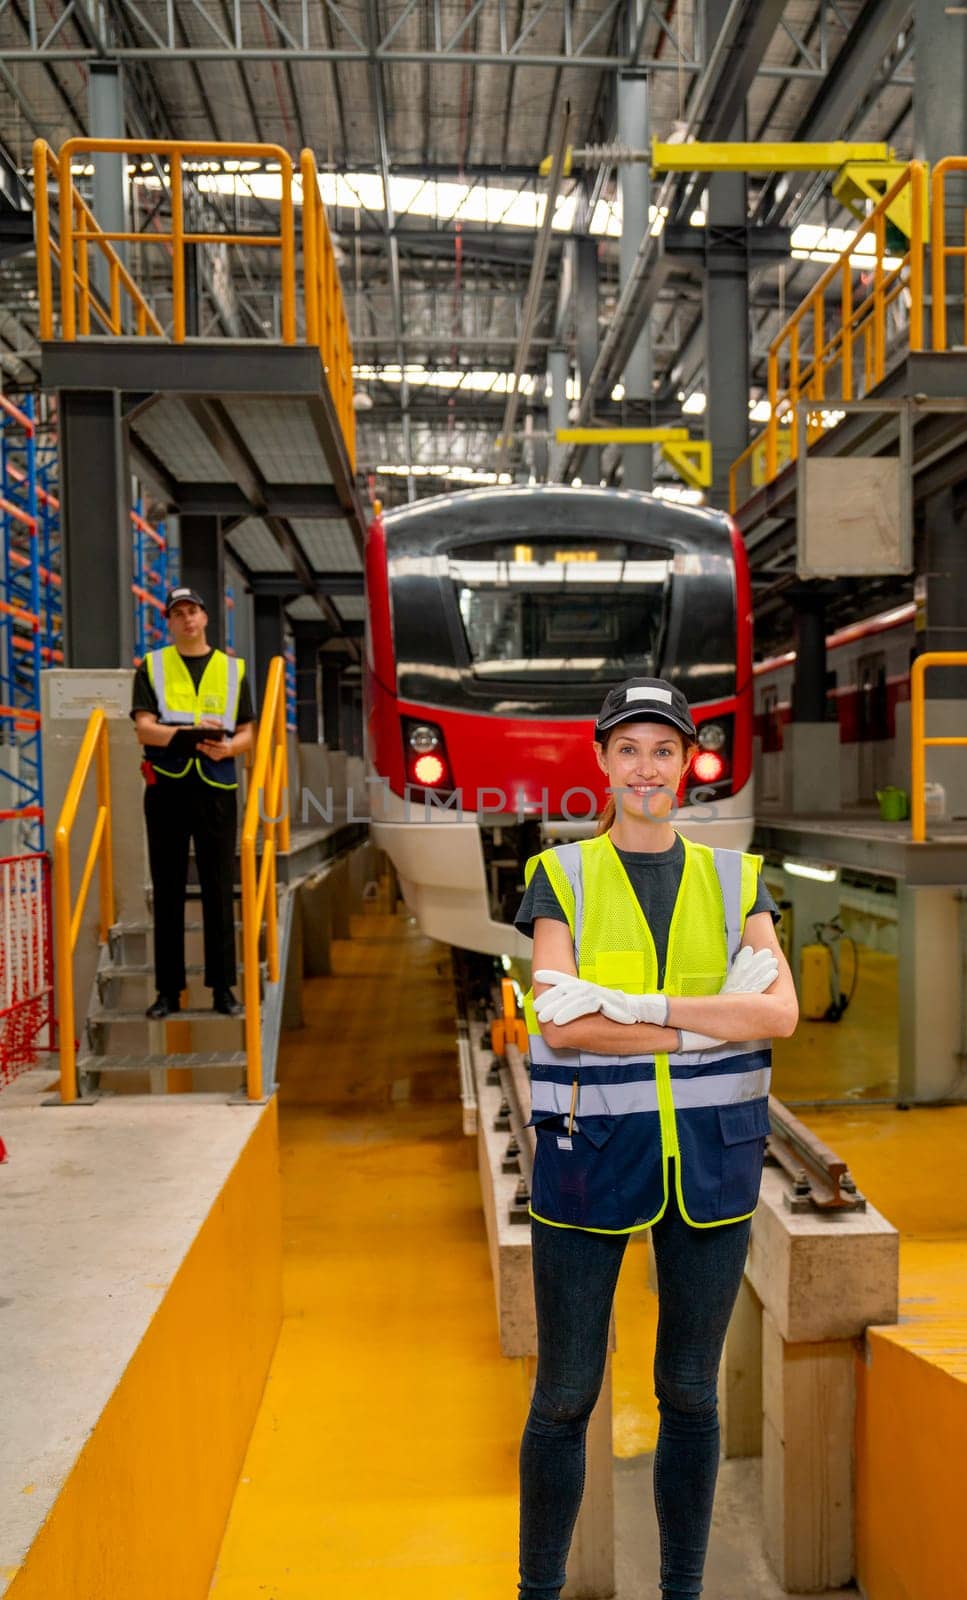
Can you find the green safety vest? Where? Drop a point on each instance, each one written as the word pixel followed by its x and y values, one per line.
pixel 181 704
pixel 707 1110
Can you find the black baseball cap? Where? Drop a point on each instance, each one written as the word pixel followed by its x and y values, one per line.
pixel 645 700
pixel 177 595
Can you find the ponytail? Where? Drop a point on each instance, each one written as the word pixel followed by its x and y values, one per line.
pixel 606 819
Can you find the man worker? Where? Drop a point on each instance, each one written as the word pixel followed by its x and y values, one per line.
pixel 193 714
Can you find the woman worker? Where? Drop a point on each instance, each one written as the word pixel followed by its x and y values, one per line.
pixel 658 985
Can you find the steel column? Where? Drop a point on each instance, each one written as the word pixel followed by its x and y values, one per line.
pixel 557 374
pixel 203 567
pixel 307 639
pixel 269 638
pixel 97 556
pixel 944 567
pixel 726 296
pixel 106 112
pixel 586 329
pixel 634 187
pixel 331 720
pixel 809 687
pixel 940 128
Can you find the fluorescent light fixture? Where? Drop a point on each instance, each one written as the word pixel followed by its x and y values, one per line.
pixel 805 869
pixel 812 242
pixel 695 405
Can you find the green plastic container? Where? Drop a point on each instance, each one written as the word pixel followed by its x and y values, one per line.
pixel 894 804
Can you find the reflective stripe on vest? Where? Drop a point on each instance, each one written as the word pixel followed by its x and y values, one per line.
pixel 705 1109
pixel 180 704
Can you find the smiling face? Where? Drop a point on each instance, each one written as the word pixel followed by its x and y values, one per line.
pixel 644 763
pixel 187 622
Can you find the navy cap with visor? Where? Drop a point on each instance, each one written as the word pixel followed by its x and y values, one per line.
pixel 176 596
pixel 645 700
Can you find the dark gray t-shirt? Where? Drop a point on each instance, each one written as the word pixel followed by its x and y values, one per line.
pixel 655 878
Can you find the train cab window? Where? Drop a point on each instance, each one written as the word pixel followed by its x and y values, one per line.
pixel 554 608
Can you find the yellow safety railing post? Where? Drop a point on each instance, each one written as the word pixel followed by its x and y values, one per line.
pixel 68 320
pixel 267 803
pixel 310 268
pixel 938 257
pixel 287 234
pixel 918 738
pixel 177 248
pixel 67 917
pixel 918 198
pixel 45 290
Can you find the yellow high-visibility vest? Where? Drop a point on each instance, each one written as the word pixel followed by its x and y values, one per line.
pixel 607 1169
pixel 180 703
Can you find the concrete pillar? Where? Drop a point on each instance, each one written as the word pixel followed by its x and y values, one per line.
pixel 557 374
pixel 307 642
pixel 97 559
pixel 269 639
pixel 726 295
pixel 932 940
pixel 634 186
pixel 203 567
pixel 586 331
pixel 940 125
pixel 105 104
pixel 331 718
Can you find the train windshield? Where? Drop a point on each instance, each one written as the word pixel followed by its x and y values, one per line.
pixel 555 609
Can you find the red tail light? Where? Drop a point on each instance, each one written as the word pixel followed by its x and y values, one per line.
pixel 708 766
pixel 429 770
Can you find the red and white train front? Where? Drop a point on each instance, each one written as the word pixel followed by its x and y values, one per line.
pixel 496 622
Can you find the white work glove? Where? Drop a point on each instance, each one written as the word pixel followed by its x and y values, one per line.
pixel 752 972
pixel 696 1041
pixel 572 997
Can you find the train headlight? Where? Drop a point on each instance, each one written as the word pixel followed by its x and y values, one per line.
pixel 711 736
pixel 423 737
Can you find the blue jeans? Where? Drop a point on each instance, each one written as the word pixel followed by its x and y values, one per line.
pixel 575 1273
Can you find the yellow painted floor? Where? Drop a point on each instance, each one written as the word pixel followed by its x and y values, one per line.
pixel 383 1461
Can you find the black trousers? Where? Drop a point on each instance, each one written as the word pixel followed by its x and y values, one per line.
pixel 178 811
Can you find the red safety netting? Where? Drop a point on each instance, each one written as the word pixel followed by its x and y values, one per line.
pixel 26 963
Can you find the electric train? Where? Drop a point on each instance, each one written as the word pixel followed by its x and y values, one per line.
pixel 868 690
pixel 497 619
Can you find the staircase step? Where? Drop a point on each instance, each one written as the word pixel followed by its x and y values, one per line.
pixel 195 1014
pixel 152 1063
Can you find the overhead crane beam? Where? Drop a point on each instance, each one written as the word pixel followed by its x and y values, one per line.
pixel 762 156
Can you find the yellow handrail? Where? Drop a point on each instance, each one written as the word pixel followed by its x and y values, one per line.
pixel 326 325
pixel 268 804
pixel 67 919
pixel 919 740
pixel 794 374
pixel 940 250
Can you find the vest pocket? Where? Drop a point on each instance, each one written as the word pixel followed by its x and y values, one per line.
pixel 620 969
pixel 694 983
pixel 743 1129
